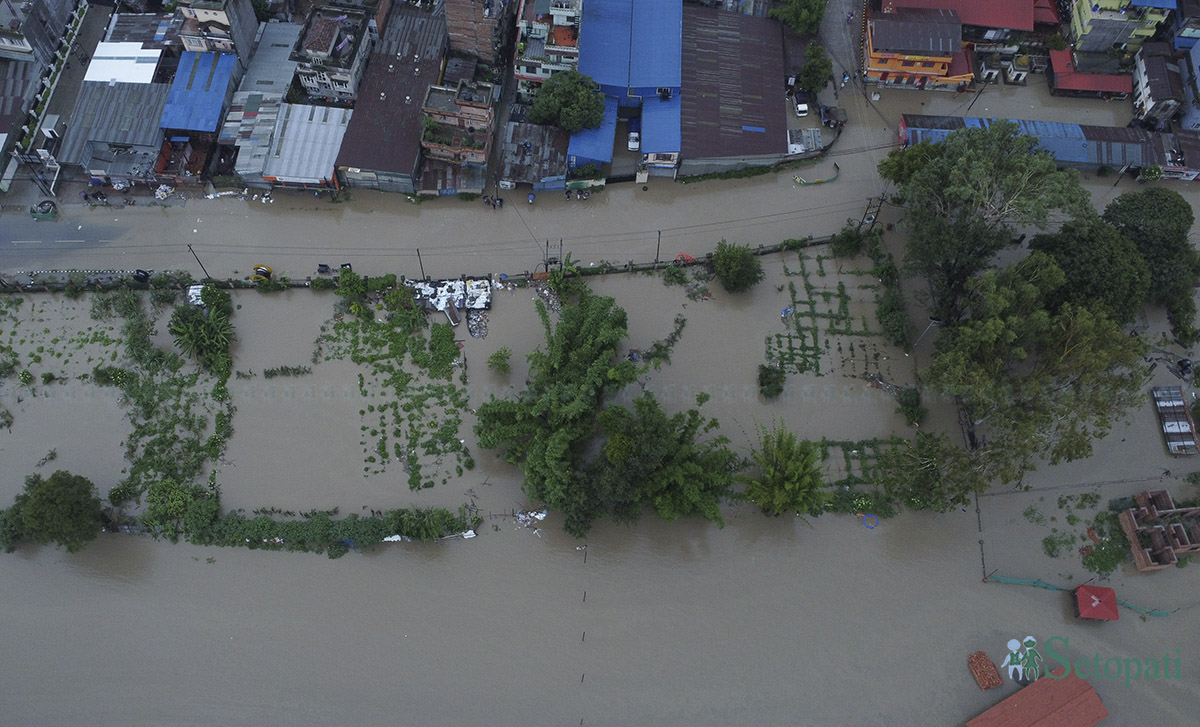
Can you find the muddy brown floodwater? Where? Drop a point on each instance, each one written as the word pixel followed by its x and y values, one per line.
pixel 766 621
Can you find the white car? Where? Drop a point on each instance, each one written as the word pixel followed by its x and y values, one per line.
pixel 634 143
pixel 801 104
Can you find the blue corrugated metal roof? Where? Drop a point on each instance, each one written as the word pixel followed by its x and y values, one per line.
pixel 595 145
pixel 1167 4
pixel 604 43
pixel 660 126
pixel 656 44
pixel 196 100
pixel 1068 143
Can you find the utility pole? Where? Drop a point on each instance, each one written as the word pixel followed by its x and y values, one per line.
pixel 193 252
pixel 419 262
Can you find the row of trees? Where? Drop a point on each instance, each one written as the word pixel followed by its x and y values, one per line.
pixel 1034 352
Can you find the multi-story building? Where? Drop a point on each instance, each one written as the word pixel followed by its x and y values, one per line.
pixel 218 26
pixel 1099 26
pixel 478 27
pixel 917 48
pixel 1157 84
pixel 32 31
pixel 331 53
pixel 547 41
pixel 458 123
pixel 1187 24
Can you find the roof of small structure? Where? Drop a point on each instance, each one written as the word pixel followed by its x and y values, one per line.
pixel 1067 701
pixel 1066 77
pixel 597 144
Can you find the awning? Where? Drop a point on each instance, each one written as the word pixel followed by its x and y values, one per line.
pixel 1096 602
pixel 1167 4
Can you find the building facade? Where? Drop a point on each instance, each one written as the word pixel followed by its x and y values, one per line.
pixel 218 26
pixel 477 27
pixel 1157 83
pixel 332 51
pixel 916 48
pixel 458 123
pixel 547 41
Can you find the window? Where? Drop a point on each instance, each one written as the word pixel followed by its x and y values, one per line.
pixel 908 64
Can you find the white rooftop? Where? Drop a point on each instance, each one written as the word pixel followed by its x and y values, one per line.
pixel 123 63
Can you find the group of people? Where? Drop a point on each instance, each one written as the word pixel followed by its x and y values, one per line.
pixel 494 202
pixel 579 194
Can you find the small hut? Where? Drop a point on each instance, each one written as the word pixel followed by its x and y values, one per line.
pixel 1096 602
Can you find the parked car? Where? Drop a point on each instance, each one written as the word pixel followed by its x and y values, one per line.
pixel 634 142
pixel 801 103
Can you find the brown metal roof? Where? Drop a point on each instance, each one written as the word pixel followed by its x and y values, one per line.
pixel 919 32
pixel 1047 702
pixel 385 132
pixel 733 100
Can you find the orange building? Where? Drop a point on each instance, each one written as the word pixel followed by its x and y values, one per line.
pixel 918 48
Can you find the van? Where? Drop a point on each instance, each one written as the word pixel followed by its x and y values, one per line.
pixel 801 104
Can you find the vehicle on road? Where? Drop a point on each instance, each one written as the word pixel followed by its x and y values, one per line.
pixel 634 142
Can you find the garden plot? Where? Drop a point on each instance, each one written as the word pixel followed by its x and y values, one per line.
pixel 51 415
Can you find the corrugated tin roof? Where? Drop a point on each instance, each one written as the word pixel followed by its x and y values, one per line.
pixel 385 133
pixel 655 43
pixel 151 30
pixel 270 70
pixel 1062 701
pixel 306 143
pixel 631 43
pixel 912 31
pixel 121 113
pixel 597 144
pixel 1113 146
pixel 1011 14
pixel 543 158
pixel 18 82
pixel 604 44
pixel 734 85
pixel 197 98
pixel 250 125
pixel 660 126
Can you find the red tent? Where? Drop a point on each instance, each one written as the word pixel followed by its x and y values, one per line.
pixel 1096 602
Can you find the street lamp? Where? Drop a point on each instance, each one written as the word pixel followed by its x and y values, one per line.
pixel 932 322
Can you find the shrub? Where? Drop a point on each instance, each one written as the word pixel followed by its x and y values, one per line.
pixel 770 380
pixel 499 360
pixel 322 284
pixel 910 406
pixel 674 275
pixel 850 242
pixel 737 267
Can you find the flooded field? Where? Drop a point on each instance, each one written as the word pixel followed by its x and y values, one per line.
pixel 768 620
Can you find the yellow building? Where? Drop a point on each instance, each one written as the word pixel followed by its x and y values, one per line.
pixel 917 48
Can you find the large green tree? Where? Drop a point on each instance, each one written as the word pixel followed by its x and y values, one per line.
pixel 802 16
pixel 589 457
pixel 63 509
pixel 651 459
pixel 1158 220
pixel 1042 383
pixel 931 473
pixel 817 69
pixel 737 267
pixel 569 100
pixel 786 474
pixel 963 195
pixel 1103 267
